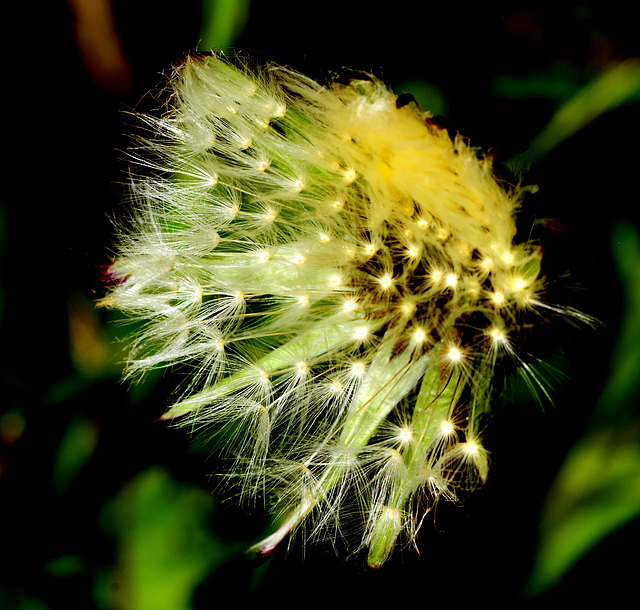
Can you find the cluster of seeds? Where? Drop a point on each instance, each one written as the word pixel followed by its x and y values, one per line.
pixel 340 275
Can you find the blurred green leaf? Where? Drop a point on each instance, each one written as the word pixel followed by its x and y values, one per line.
pixel 616 85
pixel 556 86
pixel 597 489
pixel 76 447
pixel 164 546
pixel 222 22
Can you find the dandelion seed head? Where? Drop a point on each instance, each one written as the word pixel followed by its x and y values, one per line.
pixel 329 266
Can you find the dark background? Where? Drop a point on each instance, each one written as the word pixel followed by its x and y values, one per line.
pixel 62 181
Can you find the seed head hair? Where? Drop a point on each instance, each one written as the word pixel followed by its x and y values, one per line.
pixel 341 277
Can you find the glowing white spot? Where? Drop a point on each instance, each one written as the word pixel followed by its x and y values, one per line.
pixel 302 367
pixel 335 281
pixel 279 111
pixel 497 335
pixel 357 369
pixel 451 280
pixel 349 175
pixel 361 332
pixel 386 281
pixel 471 448
pixel 270 216
pixel 303 300
pixel 240 296
pixel 413 251
pixel 338 205
pixel 405 434
pixel 497 298
pixel 370 249
pixel 446 427
pixel 419 336
pixel 324 238
pixel 263 164
pixel 518 284
pixel 454 354
pixel 298 185
pixel 212 179
pixel 298 259
pixel 408 308
pixel 507 258
pixel 422 224
pixel 264 256
pixel 350 305
pixel 245 143
pixel 336 386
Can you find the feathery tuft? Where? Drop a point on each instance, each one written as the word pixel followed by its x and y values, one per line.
pixel 342 277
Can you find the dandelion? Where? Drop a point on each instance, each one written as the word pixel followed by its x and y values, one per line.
pixel 342 277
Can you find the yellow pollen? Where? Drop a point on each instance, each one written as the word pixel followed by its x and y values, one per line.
pixel 423 224
pixel 240 296
pixel 324 238
pixel 302 367
pixel 298 259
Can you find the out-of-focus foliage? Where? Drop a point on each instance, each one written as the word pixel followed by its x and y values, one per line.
pixel 222 22
pixel 597 489
pixel 165 547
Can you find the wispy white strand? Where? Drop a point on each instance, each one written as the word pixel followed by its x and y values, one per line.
pixel 342 279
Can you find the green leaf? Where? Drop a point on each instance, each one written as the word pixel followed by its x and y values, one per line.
pixel 222 22
pixel 618 84
pixel 164 547
pixel 597 489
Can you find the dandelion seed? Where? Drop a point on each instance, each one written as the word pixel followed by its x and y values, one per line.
pixel 316 256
